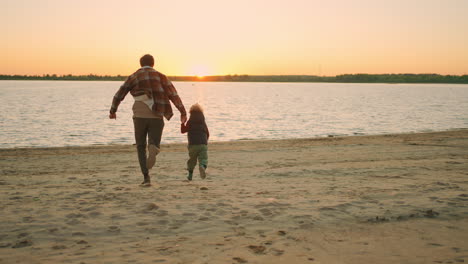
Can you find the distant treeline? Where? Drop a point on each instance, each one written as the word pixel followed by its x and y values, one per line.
pixel 68 77
pixel 344 78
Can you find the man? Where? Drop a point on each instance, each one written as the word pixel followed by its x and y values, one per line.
pixel 152 91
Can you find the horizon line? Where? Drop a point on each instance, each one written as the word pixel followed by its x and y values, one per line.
pixel 235 74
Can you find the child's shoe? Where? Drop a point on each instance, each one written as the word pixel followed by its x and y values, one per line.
pixel 202 169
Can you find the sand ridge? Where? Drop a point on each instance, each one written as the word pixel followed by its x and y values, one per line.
pixel 365 199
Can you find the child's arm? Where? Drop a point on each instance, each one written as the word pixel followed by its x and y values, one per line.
pixel 184 128
pixel 207 132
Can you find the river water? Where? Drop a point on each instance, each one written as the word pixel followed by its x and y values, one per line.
pixel 75 113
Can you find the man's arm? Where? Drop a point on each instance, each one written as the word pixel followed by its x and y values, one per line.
pixel 119 96
pixel 171 93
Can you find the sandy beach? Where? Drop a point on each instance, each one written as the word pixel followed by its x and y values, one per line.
pixel 364 199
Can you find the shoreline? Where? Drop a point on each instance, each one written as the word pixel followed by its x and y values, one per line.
pixel 331 137
pixel 396 198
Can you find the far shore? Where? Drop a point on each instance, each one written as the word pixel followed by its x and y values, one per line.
pixel 399 198
pixel 343 78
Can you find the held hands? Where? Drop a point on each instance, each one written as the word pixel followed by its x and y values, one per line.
pixel 113 116
pixel 183 119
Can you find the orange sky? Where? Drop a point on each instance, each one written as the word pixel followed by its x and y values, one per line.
pixel 216 37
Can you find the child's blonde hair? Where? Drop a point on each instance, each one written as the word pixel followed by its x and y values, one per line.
pixel 196 108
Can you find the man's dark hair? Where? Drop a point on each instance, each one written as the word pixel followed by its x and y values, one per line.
pixel 147 60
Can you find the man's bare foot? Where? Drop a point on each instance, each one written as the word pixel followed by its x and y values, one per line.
pixel 153 151
pixel 147 180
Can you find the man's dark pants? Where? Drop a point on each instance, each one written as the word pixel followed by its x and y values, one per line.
pixel 147 127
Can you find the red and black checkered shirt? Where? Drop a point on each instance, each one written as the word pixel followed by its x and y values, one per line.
pixel 154 84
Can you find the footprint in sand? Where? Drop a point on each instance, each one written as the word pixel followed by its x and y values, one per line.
pixel 178 223
pixel 27 219
pixel 162 222
pixel 53 230
pixel 117 217
pixel 277 252
pixel 240 260
pixel 306 225
pixel 236 217
pixel 257 249
pixel 240 230
pixel 77 215
pixel 230 222
pixel 23 235
pixel 58 247
pixel 281 233
pixel 221 212
pixel 159 260
pixel 94 214
pixel 162 213
pixel 73 222
pixel 114 229
pixel 244 212
pixel 23 243
pixel 267 212
pixel 150 207
pixel 189 214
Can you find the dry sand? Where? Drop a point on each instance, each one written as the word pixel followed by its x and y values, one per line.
pixel 365 199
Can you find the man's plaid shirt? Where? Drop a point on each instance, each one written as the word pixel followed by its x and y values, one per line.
pixel 154 84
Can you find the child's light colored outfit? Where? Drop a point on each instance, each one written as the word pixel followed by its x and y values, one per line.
pixel 198 135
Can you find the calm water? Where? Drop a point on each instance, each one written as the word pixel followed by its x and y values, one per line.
pixel 61 113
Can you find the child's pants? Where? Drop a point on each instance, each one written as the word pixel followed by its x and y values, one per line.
pixel 199 152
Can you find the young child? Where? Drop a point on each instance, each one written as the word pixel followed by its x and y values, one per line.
pixel 198 135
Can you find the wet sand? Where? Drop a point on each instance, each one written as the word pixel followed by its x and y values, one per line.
pixel 365 199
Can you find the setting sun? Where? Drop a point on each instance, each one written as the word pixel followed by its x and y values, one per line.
pixel 199 70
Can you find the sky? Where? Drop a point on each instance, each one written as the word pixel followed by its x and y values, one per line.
pixel 220 37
